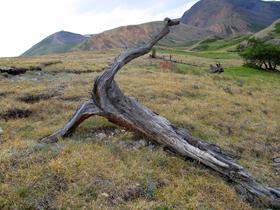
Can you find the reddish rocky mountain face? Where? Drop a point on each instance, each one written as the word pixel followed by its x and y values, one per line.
pixel 232 16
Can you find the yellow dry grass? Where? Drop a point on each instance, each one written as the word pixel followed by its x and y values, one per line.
pixel 239 112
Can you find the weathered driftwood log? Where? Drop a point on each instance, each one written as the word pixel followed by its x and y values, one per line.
pixel 109 101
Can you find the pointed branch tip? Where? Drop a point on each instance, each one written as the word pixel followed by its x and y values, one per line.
pixel 172 22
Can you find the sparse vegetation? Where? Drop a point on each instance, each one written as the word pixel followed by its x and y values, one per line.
pixel 166 164
pixel 217 43
pixel 84 169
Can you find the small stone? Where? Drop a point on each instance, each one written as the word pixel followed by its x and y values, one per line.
pixel 143 142
pixel 240 83
pixel 105 195
pixel 1 131
pixel 265 111
pixel 195 86
pixel 276 168
pixel 151 146
pixel 276 160
pixel 88 139
pixel 228 90
pixel 101 135
pixel 39 147
pixel 137 184
pixel 250 93
pixel 136 146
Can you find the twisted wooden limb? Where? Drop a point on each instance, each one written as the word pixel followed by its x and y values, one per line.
pixel 109 101
pixel 87 110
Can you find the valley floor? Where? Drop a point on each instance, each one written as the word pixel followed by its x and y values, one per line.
pixel 105 167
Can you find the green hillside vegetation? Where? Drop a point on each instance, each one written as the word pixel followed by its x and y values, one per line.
pixel 51 48
pixel 59 42
pixel 218 43
pixel 219 55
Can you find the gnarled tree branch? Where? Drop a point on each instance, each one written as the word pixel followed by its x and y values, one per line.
pixel 87 110
pixel 109 101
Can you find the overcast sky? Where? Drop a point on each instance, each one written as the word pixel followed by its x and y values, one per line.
pixel 26 22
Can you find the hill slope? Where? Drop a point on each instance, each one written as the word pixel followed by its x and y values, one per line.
pixel 271 33
pixel 206 18
pixel 133 35
pixel 232 17
pixel 59 42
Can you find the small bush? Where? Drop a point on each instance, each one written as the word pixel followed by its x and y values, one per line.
pixel 258 54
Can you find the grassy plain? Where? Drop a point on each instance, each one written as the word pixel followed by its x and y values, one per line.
pixel 101 163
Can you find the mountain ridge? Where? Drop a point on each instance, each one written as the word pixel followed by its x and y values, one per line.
pixel 206 18
pixel 58 42
pixel 232 16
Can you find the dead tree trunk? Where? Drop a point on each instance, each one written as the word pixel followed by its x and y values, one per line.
pixel 109 101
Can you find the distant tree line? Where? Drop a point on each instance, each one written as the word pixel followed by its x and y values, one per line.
pixel 259 54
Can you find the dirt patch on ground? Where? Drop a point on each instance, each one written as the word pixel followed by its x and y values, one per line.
pixel 107 130
pixel 4 94
pixel 47 201
pixel 146 191
pixel 31 99
pixel 75 71
pixel 16 113
pixel 18 70
pixel 72 98
pixel 50 63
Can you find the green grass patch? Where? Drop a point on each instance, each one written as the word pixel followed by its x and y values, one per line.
pixel 218 55
pixel 217 44
pixel 180 45
pixel 277 27
pixel 187 69
pixel 251 72
pixel 204 54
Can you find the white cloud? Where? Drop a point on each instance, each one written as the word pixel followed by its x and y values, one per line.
pixel 93 22
pixel 24 23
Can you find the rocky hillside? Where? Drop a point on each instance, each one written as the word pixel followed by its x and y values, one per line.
pixel 133 35
pixel 270 34
pixel 59 42
pixel 232 17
